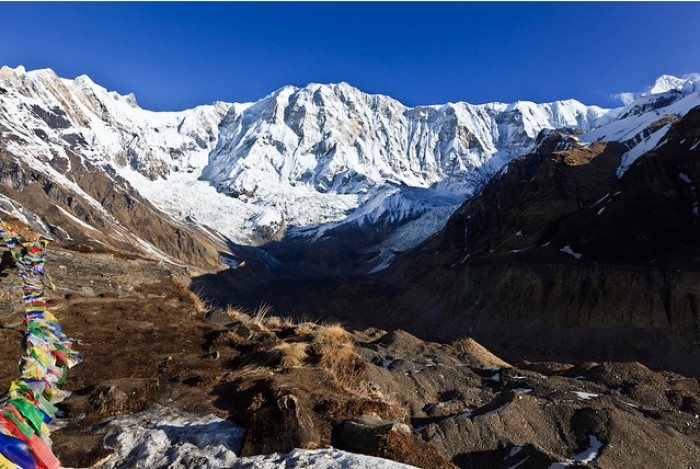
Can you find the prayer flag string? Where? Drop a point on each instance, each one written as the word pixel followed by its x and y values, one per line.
pixel 29 404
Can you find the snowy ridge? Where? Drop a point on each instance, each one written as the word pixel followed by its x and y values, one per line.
pixel 637 124
pixel 304 161
pixel 300 157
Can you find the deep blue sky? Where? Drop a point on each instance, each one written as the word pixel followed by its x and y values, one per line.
pixel 179 55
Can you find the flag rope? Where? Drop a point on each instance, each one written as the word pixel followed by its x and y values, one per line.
pixel 29 404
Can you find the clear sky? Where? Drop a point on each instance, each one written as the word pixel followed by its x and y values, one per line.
pixel 178 55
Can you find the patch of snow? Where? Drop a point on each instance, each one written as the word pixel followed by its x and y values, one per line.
pixel 386 363
pixel 515 466
pixel 317 459
pixel 684 177
pixel 514 450
pixel 585 396
pixel 461 261
pixel 567 250
pixel 519 233
pixel 497 410
pixel 586 456
pixel 471 414
pixel 425 367
pixel 162 437
pixel 76 219
pixel 602 199
pixel 601 210
pixel 645 146
pixel 386 259
pixel 231 261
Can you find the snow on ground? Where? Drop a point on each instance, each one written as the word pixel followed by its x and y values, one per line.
pixel 584 457
pixel 585 396
pixel 317 459
pixel 76 219
pixel 567 250
pixel 166 438
pixel 641 148
pixel 161 438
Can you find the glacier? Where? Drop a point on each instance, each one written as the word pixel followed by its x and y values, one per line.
pixel 304 163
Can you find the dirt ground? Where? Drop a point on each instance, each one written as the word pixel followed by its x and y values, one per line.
pixel 147 339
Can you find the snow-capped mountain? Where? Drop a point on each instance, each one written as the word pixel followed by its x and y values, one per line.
pixel 311 164
pixel 299 161
pixel 642 124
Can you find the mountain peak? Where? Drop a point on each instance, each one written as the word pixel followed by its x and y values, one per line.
pixel 665 83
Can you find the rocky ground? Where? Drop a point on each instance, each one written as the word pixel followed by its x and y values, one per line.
pixel 148 340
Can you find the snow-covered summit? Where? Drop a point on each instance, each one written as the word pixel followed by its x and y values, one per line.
pixel 686 84
pixel 642 123
pixel 301 160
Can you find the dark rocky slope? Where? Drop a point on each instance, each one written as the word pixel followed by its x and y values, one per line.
pixel 560 256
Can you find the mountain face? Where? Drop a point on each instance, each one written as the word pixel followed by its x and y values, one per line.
pixel 298 167
pixel 60 142
pixel 561 255
pixel 328 179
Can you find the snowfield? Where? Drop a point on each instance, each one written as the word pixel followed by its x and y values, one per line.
pixel 166 438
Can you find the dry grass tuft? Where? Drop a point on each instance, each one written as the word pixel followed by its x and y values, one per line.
pixel 200 306
pixel 253 372
pixel 305 328
pixel 345 366
pixel 275 323
pixel 396 408
pixel 261 312
pixel 236 314
pixel 290 354
pixel 232 339
pixel 332 334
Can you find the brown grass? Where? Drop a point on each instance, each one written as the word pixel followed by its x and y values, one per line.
pixel 290 354
pixel 253 372
pixel 332 334
pixel 231 339
pixel 236 314
pixel 275 323
pixel 261 312
pixel 345 366
pixel 200 306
